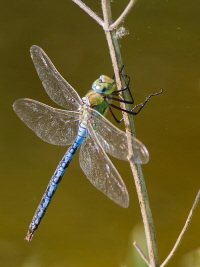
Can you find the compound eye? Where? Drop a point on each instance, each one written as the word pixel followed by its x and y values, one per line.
pixel 104 89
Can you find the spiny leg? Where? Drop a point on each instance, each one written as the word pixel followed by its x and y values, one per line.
pixel 126 80
pixel 141 105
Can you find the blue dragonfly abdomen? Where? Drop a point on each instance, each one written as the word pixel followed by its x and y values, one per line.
pixel 55 179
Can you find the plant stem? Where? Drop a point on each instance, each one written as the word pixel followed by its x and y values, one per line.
pixel 130 130
pixel 178 241
pixel 89 11
pixel 141 253
pixel 123 15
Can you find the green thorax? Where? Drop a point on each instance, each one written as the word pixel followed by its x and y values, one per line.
pixel 98 96
pixel 97 101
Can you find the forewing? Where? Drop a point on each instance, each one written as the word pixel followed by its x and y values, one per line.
pixel 55 126
pixel 114 141
pixel 101 172
pixel 58 89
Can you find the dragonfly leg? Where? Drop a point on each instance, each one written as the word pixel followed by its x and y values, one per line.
pixel 126 80
pixel 144 103
pixel 113 115
pixel 141 105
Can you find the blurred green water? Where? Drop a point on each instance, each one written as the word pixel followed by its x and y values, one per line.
pixel 82 227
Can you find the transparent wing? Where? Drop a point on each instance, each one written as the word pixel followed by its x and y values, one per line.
pixel 101 172
pixel 114 141
pixel 55 126
pixel 58 89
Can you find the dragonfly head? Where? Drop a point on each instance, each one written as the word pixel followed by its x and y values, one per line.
pixel 104 85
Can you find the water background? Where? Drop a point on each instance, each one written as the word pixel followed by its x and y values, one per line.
pixel 82 227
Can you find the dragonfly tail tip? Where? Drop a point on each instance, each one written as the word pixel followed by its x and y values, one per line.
pixel 29 236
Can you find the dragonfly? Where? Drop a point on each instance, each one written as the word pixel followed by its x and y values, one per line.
pixel 82 124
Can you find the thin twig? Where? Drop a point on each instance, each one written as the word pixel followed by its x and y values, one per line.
pixel 89 12
pixel 130 130
pixel 141 253
pixel 171 254
pixel 115 24
pixel 109 36
pixel 146 215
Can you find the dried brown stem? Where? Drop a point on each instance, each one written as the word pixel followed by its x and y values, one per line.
pixel 128 8
pixel 89 12
pixel 178 241
pixel 141 253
